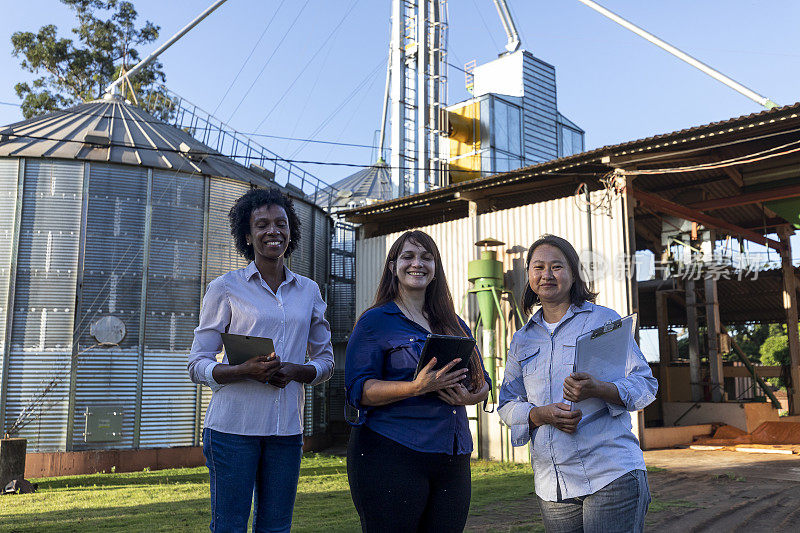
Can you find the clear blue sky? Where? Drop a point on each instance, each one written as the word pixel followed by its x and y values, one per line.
pixel 612 83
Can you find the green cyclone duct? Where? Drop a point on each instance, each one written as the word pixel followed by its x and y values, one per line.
pixel 486 274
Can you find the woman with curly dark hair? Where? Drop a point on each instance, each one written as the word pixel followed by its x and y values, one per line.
pixel 253 431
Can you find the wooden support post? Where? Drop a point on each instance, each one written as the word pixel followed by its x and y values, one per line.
pixel 714 357
pixel 629 231
pixel 663 344
pixel 694 341
pixel 790 306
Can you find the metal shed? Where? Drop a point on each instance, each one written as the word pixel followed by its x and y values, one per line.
pixel 117 215
pixel 734 180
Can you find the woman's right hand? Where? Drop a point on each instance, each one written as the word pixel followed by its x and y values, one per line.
pixel 559 415
pixel 260 368
pixel 430 380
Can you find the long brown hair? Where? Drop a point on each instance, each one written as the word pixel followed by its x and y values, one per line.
pixel 438 306
pixel 579 291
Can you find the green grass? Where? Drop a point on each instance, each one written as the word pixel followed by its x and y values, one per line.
pixel 657 506
pixel 177 500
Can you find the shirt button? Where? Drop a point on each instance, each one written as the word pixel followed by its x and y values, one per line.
pixel 454 411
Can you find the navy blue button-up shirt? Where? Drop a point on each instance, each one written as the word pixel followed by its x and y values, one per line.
pixel 385 345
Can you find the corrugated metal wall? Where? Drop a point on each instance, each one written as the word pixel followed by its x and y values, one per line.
pixel 322 254
pixel 124 247
pixel 9 169
pixel 518 228
pixel 539 110
pixel 44 304
pixel 301 258
pixel 221 255
pixel 173 303
pixel 112 284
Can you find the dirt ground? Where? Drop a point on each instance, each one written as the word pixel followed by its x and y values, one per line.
pixel 697 491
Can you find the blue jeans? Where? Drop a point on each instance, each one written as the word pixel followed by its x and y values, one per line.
pixel 240 464
pixel 619 506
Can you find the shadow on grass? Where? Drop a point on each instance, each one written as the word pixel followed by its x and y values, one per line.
pixel 188 515
pixel 322 470
pixel 327 511
pixel 168 477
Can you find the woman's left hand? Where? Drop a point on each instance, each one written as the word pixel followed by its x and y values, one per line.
pixel 459 395
pixel 580 386
pixel 289 372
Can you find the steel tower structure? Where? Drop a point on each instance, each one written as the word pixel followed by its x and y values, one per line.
pixel 417 92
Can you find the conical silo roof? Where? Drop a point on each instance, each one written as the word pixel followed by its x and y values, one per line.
pixel 115 131
pixel 372 184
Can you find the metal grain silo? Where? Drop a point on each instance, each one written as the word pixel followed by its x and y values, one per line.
pixel 114 223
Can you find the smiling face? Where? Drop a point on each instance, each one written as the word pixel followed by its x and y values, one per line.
pixel 549 275
pixel 269 232
pixel 415 267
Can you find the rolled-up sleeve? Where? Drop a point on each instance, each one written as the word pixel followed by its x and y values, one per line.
pixel 215 315
pixel 638 388
pixel 514 407
pixel 363 361
pixel 320 351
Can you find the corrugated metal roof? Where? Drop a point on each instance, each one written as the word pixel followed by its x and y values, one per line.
pixel 757 297
pixel 372 184
pixel 115 131
pixel 681 139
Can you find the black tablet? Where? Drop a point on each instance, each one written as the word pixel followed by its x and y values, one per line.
pixel 445 348
pixel 240 348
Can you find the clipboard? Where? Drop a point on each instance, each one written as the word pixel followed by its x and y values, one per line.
pixel 603 353
pixel 240 348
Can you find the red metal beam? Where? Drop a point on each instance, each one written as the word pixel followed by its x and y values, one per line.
pixel 779 193
pixel 687 213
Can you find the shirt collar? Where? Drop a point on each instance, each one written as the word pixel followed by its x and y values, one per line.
pixel 251 270
pixel 391 308
pixel 538 316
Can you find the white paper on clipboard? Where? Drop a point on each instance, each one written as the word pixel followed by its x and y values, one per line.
pixel 603 353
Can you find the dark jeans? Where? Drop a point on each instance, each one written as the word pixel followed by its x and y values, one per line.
pixel 620 506
pixel 397 489
pixel 240 464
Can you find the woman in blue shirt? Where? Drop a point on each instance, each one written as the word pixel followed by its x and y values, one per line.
pixel 589 471
pixel 408 463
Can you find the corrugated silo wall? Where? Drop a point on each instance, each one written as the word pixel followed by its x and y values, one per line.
pixel 40 340
pixel 221 255
pixel 173 302
pixel 112 286
pixel 311 260
pixel 517 228
pixel 9 171
pixel 151 241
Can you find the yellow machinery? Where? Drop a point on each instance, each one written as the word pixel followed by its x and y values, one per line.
pixel 464 135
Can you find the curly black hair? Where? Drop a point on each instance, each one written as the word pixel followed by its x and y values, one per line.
pixel 241 211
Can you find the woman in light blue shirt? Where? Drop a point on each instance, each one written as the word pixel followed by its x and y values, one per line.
pixel 253 431
pixel 589 472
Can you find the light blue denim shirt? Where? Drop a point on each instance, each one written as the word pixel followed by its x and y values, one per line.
pixel 603 447
pixel 293 317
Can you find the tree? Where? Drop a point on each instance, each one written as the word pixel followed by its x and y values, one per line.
pixel 75 71
pixel 775 350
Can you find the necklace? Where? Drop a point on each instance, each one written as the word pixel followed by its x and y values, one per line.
pixel 408 312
